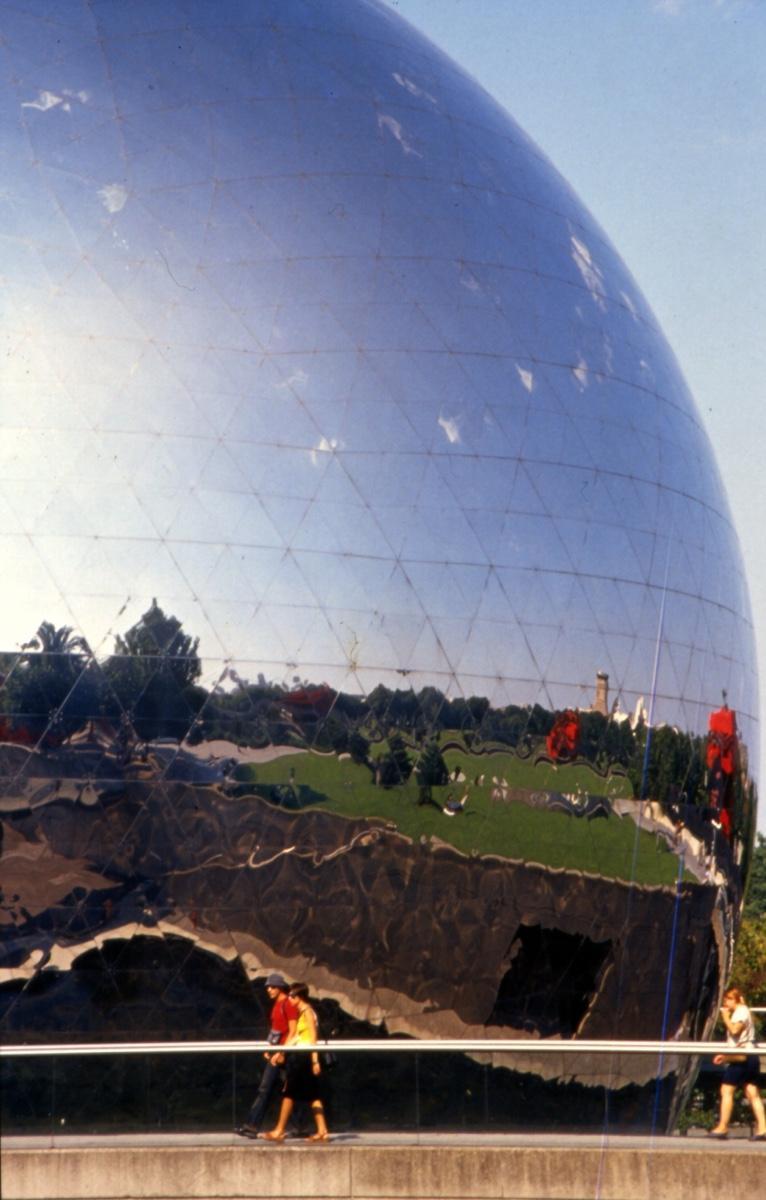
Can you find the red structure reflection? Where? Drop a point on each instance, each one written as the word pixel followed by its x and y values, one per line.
pixel 722 764
pixel 564 736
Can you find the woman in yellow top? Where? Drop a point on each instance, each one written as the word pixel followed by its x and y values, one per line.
pixel 304 1071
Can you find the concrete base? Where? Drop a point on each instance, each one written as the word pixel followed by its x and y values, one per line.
pixel 214 1167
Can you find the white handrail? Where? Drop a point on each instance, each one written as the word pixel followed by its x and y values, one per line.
pixel 528 1046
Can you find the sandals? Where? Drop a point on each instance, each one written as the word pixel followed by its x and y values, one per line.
pixel 273 1136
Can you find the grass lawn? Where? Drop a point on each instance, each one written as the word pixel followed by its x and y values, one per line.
pixel 602 846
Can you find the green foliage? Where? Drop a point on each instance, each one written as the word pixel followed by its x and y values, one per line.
pixel 285 795
pixel 701 1111
pixel 150 685
pixel 250 715
pixel 332 734
pixel 676 767
pixel 430 704
pixel 352 708
pixel 749 972
pixel 466 714
pixel 151 677
pixel 539 721
pixel 55 687
pixel 359 747
pixel 159 643
pixel 420 713
pixel 394 767
pixel 431 768
pixel 508 725
pixel 749 975
pixel 605 741
pixel 756 894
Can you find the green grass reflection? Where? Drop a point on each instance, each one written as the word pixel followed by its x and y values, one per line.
pixel 492 822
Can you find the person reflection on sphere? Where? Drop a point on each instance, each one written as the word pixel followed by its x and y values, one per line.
pixel 742 1070
pixel 283 1018
pixel 304 1071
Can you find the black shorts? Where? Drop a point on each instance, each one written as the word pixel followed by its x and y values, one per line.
pixel 740 1073
pixel 302 1083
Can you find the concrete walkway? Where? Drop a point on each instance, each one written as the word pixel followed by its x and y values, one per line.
pixel 386 1166
pixel 695 1142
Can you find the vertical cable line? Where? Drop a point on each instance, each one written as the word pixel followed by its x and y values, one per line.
pixel 647 747
pixel 679 877
pixel 655 673
pixel 634 860
pixel 668 987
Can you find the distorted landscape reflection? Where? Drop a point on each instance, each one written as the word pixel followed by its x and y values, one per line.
pixel 375 613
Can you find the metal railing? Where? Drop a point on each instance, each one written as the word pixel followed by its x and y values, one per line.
pixel 473 1084
pixel 387 1045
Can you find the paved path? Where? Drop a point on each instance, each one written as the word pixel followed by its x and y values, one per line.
pixel 382 1166
pixel 695 1142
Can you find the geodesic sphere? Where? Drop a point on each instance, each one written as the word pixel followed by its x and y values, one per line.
pixel 334 430
pixel 305 338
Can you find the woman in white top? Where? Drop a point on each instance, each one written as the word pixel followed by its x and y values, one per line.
pixel 742 1070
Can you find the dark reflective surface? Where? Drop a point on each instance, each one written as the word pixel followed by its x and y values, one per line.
pixel 375 612
pixel 365 1092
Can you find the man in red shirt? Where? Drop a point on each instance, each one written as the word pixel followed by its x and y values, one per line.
pixel 284 1014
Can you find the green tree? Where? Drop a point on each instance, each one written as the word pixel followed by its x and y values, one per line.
pixel 395 766
pixel 359 748
pixel 432 709
pixel 431 771
pixel 676 767
pixel 749 971
pixel 332 734
pixel 379 700
pixel 466 715
pixel 353 708
pixel 539 721
pixel 431 768
pixel 151 677
pixel 159 642
pixel 249 715
pixel 756 893
pixel 749 975
pixel 593 733
pixel 403 709
pixel 509 725
pixel 55 686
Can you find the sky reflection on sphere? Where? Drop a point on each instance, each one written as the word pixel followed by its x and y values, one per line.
pixel 305 337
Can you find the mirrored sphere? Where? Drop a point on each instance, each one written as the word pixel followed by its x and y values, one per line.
pixel 372 607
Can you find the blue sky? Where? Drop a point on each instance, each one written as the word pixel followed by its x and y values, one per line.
pixel 655 112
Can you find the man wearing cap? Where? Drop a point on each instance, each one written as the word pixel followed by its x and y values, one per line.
pixel 284 1014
